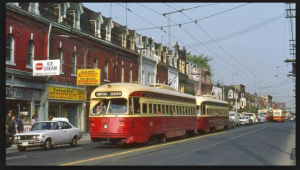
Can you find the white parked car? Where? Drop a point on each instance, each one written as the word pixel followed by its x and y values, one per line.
pixel 253 117
pixel 235 117
pixel 244 120
pixel 48 133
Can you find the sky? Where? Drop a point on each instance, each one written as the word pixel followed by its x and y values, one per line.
pixel 247 41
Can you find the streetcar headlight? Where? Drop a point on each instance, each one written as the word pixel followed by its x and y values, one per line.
pixel 105 126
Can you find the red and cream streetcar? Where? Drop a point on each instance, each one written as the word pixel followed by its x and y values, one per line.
pixel 212 114
pixel 279 115
pixel 133 113
pixel 267 112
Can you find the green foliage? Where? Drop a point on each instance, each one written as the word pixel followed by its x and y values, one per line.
pixel 201 60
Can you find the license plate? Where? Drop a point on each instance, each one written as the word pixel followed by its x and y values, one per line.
pixel 24 143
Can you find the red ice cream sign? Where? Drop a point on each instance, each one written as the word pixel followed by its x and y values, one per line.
pixel 39 66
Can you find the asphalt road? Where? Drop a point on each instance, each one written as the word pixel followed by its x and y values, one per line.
pixel 262 144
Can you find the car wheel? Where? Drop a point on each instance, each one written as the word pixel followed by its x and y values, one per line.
pixel 74 142
pixel 48 144
pixel 21 148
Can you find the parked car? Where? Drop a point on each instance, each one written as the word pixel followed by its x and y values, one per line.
pixel 245 120
pixel 262 118
pixel 235 117
pixel 9 139
pixel 46 134
pixel 252 116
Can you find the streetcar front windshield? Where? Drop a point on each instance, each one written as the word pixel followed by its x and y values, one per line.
pixel 117 106
pixel 277 114
pixel 110 106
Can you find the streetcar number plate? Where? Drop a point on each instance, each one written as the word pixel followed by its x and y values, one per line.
pixel 105 126
pixel 24 143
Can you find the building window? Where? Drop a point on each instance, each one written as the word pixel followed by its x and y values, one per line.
pixel 130 75
pixel 122 74
pixel 30 53
pixel 95 64
pixel 10 44
pixel 74 62
pixel 106 70
pixel 60 56
pixel 157 78
pixel 34 8
pixel 98 28
pixel 230 94
pixel 164 81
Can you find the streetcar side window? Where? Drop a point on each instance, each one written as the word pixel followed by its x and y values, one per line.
pixel 167 109
pixel 198 109
pixel 163 109
pixel 158 109
pixel 150 108
pixel 131 111
pixel 174 110
pixel 154 109
pixel 136 104
pixel 203 110
pixel 144 108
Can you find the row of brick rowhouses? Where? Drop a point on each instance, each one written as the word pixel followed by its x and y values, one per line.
pixel 82 39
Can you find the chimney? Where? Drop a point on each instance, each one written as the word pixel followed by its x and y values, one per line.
pixel 176 47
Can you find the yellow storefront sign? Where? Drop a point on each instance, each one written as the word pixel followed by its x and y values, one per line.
pixel 88 77
pixel 66 93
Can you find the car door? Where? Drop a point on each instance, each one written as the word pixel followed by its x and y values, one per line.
pixel 70 132
pixel 61 133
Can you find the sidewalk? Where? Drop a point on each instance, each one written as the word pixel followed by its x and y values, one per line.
pixel 85 139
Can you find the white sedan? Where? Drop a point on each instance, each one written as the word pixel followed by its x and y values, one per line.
pixel 48 133
pixel 245 120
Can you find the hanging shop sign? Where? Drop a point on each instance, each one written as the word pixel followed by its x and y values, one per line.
pixel 66 93
pixel 46 67
pixel 88 77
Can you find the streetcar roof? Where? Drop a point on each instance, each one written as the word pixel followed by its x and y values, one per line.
pixel 128 88
pixel 200 99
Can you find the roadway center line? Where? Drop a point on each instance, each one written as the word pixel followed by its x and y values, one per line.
pixel 73 149
pixel 135 150
pixel 16 157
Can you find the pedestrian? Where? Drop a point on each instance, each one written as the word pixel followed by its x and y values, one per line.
pixel 33 120
pixel 20 126
pixel 50 117
pixel 8 117
pixel 12 125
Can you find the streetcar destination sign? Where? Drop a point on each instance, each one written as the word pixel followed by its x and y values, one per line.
pixel 111 93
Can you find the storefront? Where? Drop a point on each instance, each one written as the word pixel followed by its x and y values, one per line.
pixel 69 102
pixel 23 97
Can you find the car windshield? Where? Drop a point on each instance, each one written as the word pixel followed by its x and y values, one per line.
pixel 43 126
pixel 231 114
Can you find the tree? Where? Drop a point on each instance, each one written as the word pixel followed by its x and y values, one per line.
pixel 201 60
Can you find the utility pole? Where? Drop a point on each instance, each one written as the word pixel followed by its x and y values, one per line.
pixel 235 99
